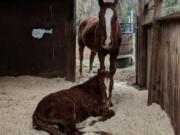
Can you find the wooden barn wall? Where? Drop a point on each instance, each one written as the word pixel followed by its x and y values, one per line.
pixel 141 49
pixel 149 54
pixel 165 86
pixel 51 56
pixel 158 57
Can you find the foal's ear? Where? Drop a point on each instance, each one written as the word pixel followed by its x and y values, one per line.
pixel 101 3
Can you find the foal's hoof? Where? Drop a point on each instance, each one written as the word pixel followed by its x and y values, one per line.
pixel 109 113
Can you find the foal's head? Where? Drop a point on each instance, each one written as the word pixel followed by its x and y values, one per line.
pixel 106 83
pixel 107 21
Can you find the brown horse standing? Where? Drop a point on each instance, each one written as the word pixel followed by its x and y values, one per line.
pixel 103 35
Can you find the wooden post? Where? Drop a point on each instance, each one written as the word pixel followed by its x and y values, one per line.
pixel 141 48
pixel 153 93
pixel 71 45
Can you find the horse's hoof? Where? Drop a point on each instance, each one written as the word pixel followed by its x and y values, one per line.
pixel 109 113
pixel 110 105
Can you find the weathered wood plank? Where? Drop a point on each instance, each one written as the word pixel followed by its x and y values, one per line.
pixel 163 60
pixel 149 53
pixel 141 49
pixel 165 71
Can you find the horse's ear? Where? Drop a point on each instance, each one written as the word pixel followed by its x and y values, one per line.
pixel 116 2
pixel 101 3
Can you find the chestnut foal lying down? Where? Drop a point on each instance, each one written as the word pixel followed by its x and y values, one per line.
pixel 59 112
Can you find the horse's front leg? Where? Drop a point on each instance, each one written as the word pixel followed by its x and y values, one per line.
pixel 101 57
pixel 110 92
pixel 113 56
pixel 112 68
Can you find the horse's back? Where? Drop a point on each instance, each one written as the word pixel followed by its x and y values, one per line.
pixel 87 32
pixel 88 24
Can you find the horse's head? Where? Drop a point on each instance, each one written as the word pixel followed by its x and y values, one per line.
pixel 107 21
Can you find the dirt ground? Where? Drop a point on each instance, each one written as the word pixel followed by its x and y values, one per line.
pixel 20 95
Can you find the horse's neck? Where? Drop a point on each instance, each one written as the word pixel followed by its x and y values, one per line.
pixel 98 33
pixel 116 33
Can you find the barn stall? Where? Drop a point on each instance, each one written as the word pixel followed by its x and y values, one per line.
pixel 24 52
pixel 37 38
pixel 158 55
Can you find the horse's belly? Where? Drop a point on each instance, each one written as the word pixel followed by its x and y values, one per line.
pixel 89 41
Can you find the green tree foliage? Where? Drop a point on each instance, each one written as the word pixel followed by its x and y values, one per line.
pixel 85 8
pixel 91 8
pixel 126 7
pixel 170 7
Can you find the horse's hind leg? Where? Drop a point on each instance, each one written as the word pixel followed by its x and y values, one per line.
pixel 93 54
pixel 81 50
pixel 40 125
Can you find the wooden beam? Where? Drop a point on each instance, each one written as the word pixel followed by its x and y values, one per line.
pixel 70 42
pixel 141 48
pixel 153 94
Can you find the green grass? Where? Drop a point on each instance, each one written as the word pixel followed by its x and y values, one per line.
pixel 95 64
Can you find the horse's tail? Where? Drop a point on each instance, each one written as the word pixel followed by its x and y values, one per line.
pixel 39 124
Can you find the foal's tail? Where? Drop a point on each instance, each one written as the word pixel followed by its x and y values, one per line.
pixel 39 124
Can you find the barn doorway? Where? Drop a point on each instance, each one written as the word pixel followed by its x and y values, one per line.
pixel 35 36
pixel 126 59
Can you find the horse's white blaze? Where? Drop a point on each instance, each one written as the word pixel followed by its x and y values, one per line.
pixel 108 18
pixel 107 83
